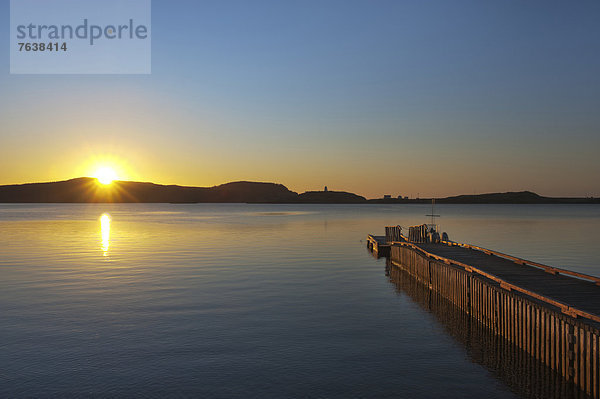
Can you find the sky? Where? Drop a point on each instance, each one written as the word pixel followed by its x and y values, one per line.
pixel 412 98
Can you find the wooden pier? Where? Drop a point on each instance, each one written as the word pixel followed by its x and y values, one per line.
pixel 525 375
pixel 550 313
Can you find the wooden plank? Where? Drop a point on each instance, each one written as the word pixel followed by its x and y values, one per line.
pixel 588 363
pixel 520 329
pixel 574 344
pixel 513 319
pixel 538 325
pixel 595 368
pixel 503 299
pixel 564 361
pixel 580 332
pixel 529 330
pixel 548 337
pixel 540 335
pixel 553 343
pixel 507 316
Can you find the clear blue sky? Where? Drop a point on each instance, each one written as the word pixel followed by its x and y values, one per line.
pixel 439 97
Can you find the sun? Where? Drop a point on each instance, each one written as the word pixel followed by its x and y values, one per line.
pixel 105 175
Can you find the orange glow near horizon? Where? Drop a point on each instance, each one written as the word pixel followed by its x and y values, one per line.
pixel 340 174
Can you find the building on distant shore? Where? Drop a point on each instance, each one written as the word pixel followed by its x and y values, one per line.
pixel 325 189
pixel 387 196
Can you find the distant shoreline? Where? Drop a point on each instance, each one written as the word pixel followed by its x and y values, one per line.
pixel 88 190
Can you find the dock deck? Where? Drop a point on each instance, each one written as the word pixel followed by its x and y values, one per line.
pixel 575 292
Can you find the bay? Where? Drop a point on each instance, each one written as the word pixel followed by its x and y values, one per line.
pixel 240 300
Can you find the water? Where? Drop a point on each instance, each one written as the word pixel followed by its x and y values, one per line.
pixel 233 300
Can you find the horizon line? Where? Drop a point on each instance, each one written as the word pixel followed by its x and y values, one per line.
pixel 383 197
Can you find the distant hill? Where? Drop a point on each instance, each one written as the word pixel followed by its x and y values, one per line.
pixel 86 189
pixel 520 197
pixel 245 191
pixel 336 197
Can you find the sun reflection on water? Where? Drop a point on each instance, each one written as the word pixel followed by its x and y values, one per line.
pixel 105 232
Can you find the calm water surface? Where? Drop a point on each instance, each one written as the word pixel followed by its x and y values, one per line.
pixel 232 300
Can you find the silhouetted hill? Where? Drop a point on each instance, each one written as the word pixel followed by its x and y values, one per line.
pixel 521 197
pixel 245 191
pixel 85 189
pixel 88 190
pixel 335 197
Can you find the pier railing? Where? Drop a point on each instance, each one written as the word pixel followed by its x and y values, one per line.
pixel 393 233
pixel 417 233
pixel 566 309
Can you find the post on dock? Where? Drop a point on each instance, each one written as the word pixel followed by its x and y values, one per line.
pixel 393 233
